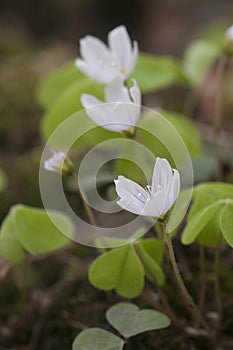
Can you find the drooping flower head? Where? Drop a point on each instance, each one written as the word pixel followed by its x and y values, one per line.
pixel 59 163
pixel 104 63
pixel 157 198
pixel 121 109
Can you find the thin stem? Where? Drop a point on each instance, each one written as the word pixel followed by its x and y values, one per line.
pixel 202 265
pixel 191 306
pixel 218 115
pixel 150 271
pixel 85 203
pixel 216 282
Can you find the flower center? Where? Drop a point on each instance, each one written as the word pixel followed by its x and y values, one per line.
pixel 117 66
pixel 122 70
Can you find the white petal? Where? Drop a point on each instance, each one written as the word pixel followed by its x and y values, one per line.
pixel 131 206
pixel 132 59
pixel 120 44
pixel 132 195
pixel 55 161
pixel 90 101
pixel 106 115
pixel 103 74
pixel 155 205
pixel 135 93
pixel 162 176
pixel 95 109
pixel 116 91
pixel 84 67
pixel 175 189
pixel 94 50
pixel 126 114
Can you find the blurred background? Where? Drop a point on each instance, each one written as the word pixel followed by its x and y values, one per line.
pixel 36 37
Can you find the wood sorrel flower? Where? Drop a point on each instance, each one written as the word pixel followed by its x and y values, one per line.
pixel 121 109
pixel 59 163
pixel 102 63
pixel 157 198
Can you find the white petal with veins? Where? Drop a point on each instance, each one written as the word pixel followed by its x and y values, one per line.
pixel 158 198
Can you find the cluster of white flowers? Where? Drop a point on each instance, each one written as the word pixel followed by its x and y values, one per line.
pixel 119 112
pixel 111 65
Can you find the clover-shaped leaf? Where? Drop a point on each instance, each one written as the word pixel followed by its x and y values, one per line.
pixel 155 73
pixel 199 221
pixel 206 220
pixel 118 269
pixel 226 223
pixel 52 86
pixel 10 246
pixel 31 229
pixel 128 320
pixel 37 233
pixel 97 339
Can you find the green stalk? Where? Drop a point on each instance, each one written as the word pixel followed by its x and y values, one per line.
pixel 216 282
pixel 191 306
pixel 85 205
pixel 202 265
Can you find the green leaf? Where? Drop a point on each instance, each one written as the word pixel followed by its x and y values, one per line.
pixel 204 196
pixel 152 269
pixel 198 58
pixel 155 72
pixel 185 128
pixel 118 269
pixel 226 223
pixel 36 231
pixel 207 193
pixel 171 134
pixel 54 85
pixel 97 339
pixel 10 246
pixel 3 181
pixel 199 221
pixel 127 319
pixel 68 104
pixel 210 234
pixel 154 247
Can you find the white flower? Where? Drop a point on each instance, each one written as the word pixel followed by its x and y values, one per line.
pixel 156 199
pixel 102 63
pixel 229 34
pixel 121 109
pixel 59 163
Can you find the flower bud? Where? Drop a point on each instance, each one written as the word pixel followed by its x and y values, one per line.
pixel 59 163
